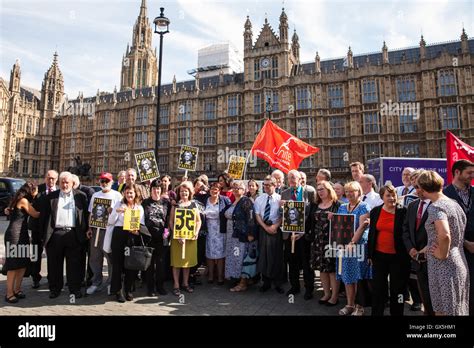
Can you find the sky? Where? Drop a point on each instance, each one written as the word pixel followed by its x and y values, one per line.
pixel 91 36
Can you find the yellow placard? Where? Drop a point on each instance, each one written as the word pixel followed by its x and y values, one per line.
pixel 184 223
pixel 131 220
pixel 236 167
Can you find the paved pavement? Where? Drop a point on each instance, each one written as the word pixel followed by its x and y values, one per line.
pixel 207 299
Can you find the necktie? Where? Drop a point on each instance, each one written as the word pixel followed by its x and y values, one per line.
pixel 266 215
pixel 405 191
pixel 365 197
pixel 293 194
pixel 419 215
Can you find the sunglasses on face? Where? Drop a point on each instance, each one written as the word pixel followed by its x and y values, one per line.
pixel 104 181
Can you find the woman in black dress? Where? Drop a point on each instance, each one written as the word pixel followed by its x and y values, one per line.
pixel 17 240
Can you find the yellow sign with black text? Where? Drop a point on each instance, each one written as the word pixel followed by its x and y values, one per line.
pixel 184 223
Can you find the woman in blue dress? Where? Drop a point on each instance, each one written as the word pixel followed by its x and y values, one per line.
pixel 352 266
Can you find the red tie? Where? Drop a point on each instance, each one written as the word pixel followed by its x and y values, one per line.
pixel 293 195
pixel 419 215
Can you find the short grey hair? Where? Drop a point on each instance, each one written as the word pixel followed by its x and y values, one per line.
pixel 303 175
pixel 295 173
pixel 409 169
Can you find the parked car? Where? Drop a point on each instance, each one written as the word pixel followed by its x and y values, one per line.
pixel 8 188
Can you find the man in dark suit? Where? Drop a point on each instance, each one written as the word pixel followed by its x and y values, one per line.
pixel 300 259
pixel 415 240
pixel 44 189
pixel 65 222
pixel 462 192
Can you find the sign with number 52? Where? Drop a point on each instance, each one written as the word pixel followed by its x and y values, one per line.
pixel 184 223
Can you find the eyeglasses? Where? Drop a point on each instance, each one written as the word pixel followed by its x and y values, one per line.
pixel 104 181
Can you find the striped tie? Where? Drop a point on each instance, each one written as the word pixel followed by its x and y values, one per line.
pixel 266 215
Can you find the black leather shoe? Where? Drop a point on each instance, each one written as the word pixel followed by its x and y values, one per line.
pixel 54 294
pixel 308 295
pixel 129 296
pixel 36 284
pixel 119 297
pixel 279 290
pixel 162 291
pixel 293 291
pixel 264 288
pixel 415 307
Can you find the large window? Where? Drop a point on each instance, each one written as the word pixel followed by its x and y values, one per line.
pixel 34 167
pixel 408 123
pixel 406 91
pixel 164 139
pixel 410 150
pixel 210 136
pixel 162 163
pixel 303 98
pixel 369 91
pixel 448 117
pixel 210 109
pixel 234 105
pixel 273 97
pixel 371 123
pixel 446 83
pixel 27 146
pixel 209 162
pixel 37 128
pixel 274 67
pixel 233 133
pixel 335 96
pixel 257 103
pixel 164 114
pixel 337 155
pixel 256 69
pixel 308 162
pixel 184 111
pixel 184 136
pixel 304 127
pixel 25 166
pixel 19 125
pixel 36 147
pixel 337 127
pixel 123 119
pixel 141 117
pixel 141 140
pixel 372 150
pixel 28 125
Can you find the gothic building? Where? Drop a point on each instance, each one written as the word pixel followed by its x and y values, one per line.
pixel 29 123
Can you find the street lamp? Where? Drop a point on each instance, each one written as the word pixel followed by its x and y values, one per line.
pixel 161 27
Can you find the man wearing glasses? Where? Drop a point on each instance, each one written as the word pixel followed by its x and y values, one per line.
pixel 97 253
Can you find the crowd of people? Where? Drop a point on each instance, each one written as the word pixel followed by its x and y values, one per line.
pixel 416 240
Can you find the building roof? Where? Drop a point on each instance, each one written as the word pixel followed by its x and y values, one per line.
pixel 409 54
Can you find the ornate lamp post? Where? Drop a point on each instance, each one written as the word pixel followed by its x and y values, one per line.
pixel 161 27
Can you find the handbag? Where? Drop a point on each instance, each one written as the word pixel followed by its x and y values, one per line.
pixel 138 257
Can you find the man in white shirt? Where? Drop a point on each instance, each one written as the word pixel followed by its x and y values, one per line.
pixel 372 198
pixel 271 257
pixel 64 222
pixel 96 235
pixel 407 186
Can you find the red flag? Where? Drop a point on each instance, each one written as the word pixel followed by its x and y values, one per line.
pixel 455 151
pixel 280 149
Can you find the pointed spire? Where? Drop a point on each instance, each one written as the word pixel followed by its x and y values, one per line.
pixel 422 48
pixel 295 46
pixel 283 27
pixel 15 76
pixel 384 53
pixel 464 42
pixel 248 35
pixel 174 83
pixel 143 9
pixel 248 24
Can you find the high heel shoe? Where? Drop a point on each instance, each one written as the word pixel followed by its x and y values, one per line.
pixel 20 295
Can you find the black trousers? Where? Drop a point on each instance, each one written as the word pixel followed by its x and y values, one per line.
pixel 155 274
pixel 398 269
pixel 36 265
pixel 120 240
pixel 300 259
pixel 63 244
pixel 423 287
pixel 85 263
